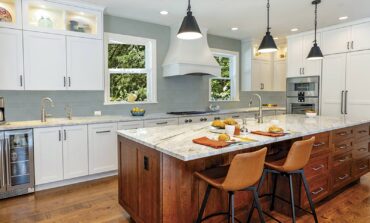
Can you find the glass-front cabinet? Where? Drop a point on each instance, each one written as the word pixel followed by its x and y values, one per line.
pixel 10 13
pixel 57 18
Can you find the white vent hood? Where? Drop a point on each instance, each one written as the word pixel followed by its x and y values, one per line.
pixel 186 57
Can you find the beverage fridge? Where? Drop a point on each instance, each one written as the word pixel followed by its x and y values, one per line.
pixel 16 163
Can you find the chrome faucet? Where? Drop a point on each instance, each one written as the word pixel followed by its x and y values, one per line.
pixel 68 110
pixel 44 115
pixel 259 117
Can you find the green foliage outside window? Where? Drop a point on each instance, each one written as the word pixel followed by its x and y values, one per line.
pixel 221 88
pixel 125 56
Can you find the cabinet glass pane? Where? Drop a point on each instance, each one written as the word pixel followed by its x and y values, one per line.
pixel 8 11
pixel 81 22
pixel 19 159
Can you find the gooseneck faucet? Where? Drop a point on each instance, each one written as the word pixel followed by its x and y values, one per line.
pixel 259 117
pixel 43 105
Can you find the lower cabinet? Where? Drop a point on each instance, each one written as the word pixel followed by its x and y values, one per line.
pixel 102 148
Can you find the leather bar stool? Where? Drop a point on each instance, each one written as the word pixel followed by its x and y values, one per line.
pixel 296 160
pixel 244 171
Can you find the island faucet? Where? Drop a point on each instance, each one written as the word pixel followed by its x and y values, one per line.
pixel 44 115
pixel 259 117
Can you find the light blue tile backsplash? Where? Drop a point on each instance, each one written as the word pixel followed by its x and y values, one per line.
pixel 174 94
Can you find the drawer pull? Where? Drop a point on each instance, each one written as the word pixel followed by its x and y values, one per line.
pixel 235 116
pixel 101 132
pixel 362 149
pixel 318 168
pixel 363 167
pixel 318 191
pixel 345 159
pixel 318 144
pixel 342 147
pixel 162 123
pixel 362 131
pixel 342 133
pixel 343 177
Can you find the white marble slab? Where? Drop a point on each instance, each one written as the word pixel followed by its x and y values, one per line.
pixel 54 122
pixel 176 141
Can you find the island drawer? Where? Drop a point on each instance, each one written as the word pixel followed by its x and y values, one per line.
pixel 343 146
pixel 341 176
pixel 317 166
pixel 321 144
pixel 361 167
pixel 361 149
pixel 362 131
pixel 161 122
pixel 342 159
pixel 319 189
pixel 342 134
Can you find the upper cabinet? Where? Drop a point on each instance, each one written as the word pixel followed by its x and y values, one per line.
pixel 298 49
pixel 11 14
pixel 45 16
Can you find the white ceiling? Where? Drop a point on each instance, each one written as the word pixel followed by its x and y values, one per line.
pixel 248 15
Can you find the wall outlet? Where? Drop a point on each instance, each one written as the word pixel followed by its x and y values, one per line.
pixel 97 113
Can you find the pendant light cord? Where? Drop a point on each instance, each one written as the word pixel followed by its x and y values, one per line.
pixel 315 21
pixel 268 16
pixel 189 6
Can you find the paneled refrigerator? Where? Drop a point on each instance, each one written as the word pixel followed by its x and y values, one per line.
pixel 16 163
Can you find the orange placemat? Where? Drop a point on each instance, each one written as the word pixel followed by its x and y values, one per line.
pixel 270 134
pixel 205 141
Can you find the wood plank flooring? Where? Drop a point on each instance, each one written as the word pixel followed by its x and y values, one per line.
pixel 98 202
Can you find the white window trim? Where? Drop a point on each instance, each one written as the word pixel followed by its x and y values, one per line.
pixel 234 74
pixel 150 63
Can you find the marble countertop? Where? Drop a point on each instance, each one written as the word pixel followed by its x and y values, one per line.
pixel 176 141
pixel 54 122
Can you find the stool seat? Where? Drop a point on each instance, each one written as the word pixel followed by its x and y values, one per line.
pixel 275 166
pixel 215 176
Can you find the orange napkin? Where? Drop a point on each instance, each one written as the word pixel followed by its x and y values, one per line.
pixel 270 134
pixel 211 143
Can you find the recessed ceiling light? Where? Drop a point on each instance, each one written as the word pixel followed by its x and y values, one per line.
pixel 343 18
pixel 276 38
pixel 164 13
pixel 294 30
pixel 234 28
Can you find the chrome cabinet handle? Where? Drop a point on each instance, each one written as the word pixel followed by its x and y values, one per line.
pixel 2 164
pixel 342 133
pixel 162 123
pixel 318 168
pixel 362 149
pixel 342 103
pixel 60 135
pixel 352 45
pixel 362 131
pixel 363 167
pixel 343 177
pixel 348 45
pixel 318 144
pixel 346 102
pixel 318 191
pixel 343 160
pixel 64 81
pixel 7 148
pixel 101 132
pixel 302 70
pixel 342 147
pixel 65 135
pixel 69 82
pixel 21 80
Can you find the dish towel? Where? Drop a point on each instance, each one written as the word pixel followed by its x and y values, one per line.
pixel 270 134
pixel 211 143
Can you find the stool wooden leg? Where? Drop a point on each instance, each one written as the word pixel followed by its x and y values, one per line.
pixel 292 197
pixel 204 203
pixel 258 206
pixel 307 189
pixel 275 177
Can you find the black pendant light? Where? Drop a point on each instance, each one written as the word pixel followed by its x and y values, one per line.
pixel 268 44
pixel 315 52
pixel 189 29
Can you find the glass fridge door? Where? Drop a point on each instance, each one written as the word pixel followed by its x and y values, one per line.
pixel 19 151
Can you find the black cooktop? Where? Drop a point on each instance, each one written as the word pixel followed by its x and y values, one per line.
pixel 188 113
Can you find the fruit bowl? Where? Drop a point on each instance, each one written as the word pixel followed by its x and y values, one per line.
pixel 137 113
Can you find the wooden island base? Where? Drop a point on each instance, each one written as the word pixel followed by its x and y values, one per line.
pixel 155 187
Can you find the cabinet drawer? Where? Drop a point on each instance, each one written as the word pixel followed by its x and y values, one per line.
pixel 362 131
pixel 321 144
pixel 343 146
pixel 319 189
pixel 317 166
pixel 130 125
pixel 342 159
pixel 161 122
pixel 342 134
pixel 361 167
pixel 361 149
pixel 341 176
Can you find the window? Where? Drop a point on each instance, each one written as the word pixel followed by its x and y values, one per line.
pixel 225 88
pixel 130 69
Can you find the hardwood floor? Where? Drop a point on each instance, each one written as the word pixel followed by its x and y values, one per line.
pixel 97 202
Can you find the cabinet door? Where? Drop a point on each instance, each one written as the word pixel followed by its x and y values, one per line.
pixel 358 79
pixel 333 84
pixel 48 155
pixel 44 61
pixel 361 36
pixel 310 67
pixel 11 62
pixel 336 41
pixel 102 148
pixel 84 64
pixel 279 76
pixel 295 56
pixel 261 75
pixel 75 151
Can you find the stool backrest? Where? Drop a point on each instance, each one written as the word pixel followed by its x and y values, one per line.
pixel 299 155
pixel 245 170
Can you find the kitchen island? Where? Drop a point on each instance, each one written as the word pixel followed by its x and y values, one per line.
pixel 156 165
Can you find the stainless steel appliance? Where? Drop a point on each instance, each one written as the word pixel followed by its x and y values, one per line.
pixel 2 110
pixel 16 163
pixel 303 93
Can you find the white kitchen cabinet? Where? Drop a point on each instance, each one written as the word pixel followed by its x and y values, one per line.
pixel 130 125
pixel 161 122
pixel 333 84
pixel 336 40
pixel 360 36
pixel 84 64
pixel 261 75
pixel 11 62
pixel 48 149
pixel 44 61
pixel 102 148
pixel 75 151
pixel 279 78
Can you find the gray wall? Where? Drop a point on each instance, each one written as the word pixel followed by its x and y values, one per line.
pixel 177 93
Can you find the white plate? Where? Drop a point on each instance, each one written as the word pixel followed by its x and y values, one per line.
pixel 216 130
